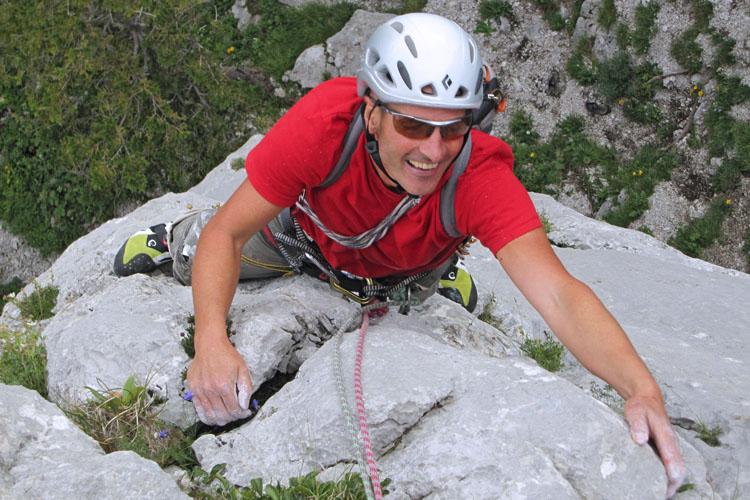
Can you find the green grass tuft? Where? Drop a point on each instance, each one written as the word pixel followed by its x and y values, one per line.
pixel 710 436
pixel 12 287
pixel 127 419
pixel 547 353
pixel 686 50
pixel 39 304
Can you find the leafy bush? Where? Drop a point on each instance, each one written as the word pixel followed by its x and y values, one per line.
pixel 104 104
pixel 703 11
pixel 724 50
pixel 23 360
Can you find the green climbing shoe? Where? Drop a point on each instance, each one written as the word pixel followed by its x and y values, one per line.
pixel 457 285
pixel 143 252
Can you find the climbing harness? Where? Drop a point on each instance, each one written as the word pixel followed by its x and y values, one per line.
pixel 361 445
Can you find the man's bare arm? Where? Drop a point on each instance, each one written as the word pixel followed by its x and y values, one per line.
pixel 218 376
pixel 593 336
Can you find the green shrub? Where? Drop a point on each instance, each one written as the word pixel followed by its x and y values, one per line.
pixel 552 14
pixel 686 50
pixel 39 304
pixel 710 436
pixel 607 14
pixel 105 104
pixel 23 360
pixel 727 177
pixel 702 232
pixel 547 353
pixel 645 26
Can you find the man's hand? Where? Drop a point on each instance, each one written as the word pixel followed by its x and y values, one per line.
pixel 647 418
pixel 220 383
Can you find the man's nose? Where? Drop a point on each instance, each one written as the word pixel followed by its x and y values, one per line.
pixel 434 146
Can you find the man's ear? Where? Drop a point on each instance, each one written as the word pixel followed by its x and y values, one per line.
pixel 372 118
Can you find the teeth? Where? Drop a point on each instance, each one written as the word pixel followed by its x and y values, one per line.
pixel 422 166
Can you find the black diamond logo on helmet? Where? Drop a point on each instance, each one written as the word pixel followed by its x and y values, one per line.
pixel 447 82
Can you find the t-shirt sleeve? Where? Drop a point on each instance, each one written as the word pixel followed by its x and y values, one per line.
pixel 301 148
pixel 491 203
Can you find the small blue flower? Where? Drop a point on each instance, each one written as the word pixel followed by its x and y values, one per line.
pixel 255 404
pixel 162 434
pixel 188 396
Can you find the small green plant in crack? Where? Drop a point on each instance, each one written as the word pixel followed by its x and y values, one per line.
pixel 607 14
pixel 547 226
pixel 685 487
pixel 709 435
pixel 127 419
pixel 487 316
pixel 23 359
pixel 547 353
pixel 622 36
pixel 724 50
pixel 39 304
pixel 645 26
pixel 581 65
pixel 187 340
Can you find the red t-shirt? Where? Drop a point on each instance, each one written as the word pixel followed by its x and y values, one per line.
pixel 302 148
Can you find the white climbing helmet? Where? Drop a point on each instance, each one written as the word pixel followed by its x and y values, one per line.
pixel 422 59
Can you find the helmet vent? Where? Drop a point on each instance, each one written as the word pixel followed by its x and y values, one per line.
pixel 404 74
pixel 471 53
pixel 386 77
pixel 428 90
pixel 372 57
pixel 412 47
pixel 479 82
pixel 461 92
pixel 398 27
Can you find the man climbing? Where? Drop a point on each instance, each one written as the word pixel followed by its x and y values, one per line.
pixel 386 179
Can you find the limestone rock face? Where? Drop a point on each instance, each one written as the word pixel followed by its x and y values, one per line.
pixel 43 455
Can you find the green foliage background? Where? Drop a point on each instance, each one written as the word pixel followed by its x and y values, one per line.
pixel 102 103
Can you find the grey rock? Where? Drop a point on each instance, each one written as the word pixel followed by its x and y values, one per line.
pixel 311 67
pixel 345 47
pixel 240 12
pixel 43 455
pixel 459 426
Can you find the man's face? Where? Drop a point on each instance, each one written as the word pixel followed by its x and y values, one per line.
pixel 417 164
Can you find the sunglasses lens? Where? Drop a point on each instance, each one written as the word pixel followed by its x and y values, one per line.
pixel 415 129
pixel 455 130
pixel 411 128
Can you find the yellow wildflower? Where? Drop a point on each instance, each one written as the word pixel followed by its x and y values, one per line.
pixel 621 101
pixel 634 173
pixel 230 50
pixel 532 155
pixel 700 93
pixel 640 172
pixel 729 201
pixel 695 87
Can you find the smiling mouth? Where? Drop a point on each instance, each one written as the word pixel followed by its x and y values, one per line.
pixel 421 165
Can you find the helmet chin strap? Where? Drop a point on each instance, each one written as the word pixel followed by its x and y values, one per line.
pixel 371 145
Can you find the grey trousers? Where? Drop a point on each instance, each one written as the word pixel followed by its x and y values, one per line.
pixel 260 258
